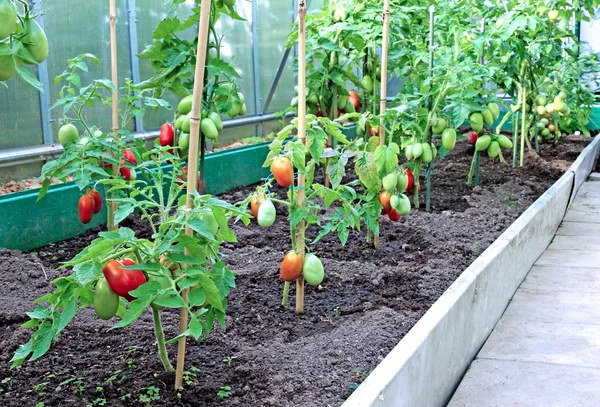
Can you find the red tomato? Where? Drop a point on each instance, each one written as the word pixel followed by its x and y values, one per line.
pixel 123 281
pixel 129 156
pixel 282 171
pixel 354 99
pixel 473 138
pixel 319 113
pixel 384 199
pixel 291 266
pixel 394 216
pixel 411 181
pixel 167 135
pixel 86 208
pixel 97 200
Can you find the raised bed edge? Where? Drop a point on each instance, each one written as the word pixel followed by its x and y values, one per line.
pixel 427 365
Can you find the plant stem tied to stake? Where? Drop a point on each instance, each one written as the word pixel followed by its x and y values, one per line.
pixel 383 96
pixel 302 138
pixel 193 165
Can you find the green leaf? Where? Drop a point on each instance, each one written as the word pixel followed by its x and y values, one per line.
pixel 29 78
pixel 184 259
pixel 386 158
pixel 123 211
pixel 67 315
pixel 39 313
pixel 173 301
pixel 165 28
pixel 211 291
pixel 195 328
pixel 223 277
pixel 196 297
pixel 136 308
pixel 43 340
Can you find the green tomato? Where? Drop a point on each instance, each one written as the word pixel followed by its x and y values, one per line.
pixel 165 283
pixel 186 124
pixel 483 143
pixel 427 155
pixel 67 134
pixel 417 150
pixel 449 139
pixel 440 125
pixel 367 84
pixel 184 142
pixel 541 100
pixel 403 207
pixel 402 181
pixel 552 15
pixel 266 214
pixel 8 18
pixel 106 301
pixel 390 181
pixel 7 67
pixel 488 119
pixel 494 109
pixel 395 201
pixel 235 108
pixel 312 269
pixel 208 128
pixel 209 217
pixel 185 106
pixel 230 3
pixel 504 141
pixel 541 110
pixel 493 149
pixel 35 38
pixel 216 119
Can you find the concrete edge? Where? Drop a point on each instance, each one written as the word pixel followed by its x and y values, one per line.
pixel 427 365
pixel 584 165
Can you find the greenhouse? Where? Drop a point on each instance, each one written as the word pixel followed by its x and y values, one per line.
pixel 299 203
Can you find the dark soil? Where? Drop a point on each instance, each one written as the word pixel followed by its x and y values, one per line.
pixel 367 303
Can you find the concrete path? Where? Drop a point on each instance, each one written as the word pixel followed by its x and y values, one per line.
pixel 545 351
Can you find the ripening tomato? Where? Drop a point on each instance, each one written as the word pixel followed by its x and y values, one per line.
pixel 384 199
pixel 128 173
pixel 86 208
pixel 394 216
pixel 354 99
pixel 123 281
pixel 167 135
pixel 319 113
pixel 291 266
pixel 184 177
pixel 411 190
pixel 282 170
pixel 97 200
pixel 255 204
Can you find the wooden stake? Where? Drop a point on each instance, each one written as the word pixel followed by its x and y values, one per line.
pixel 112 207
pixel 302 138
pixel 383 96
pixel 193 165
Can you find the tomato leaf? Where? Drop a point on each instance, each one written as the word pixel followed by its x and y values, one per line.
pixel 223 277
pixel 211 291
pixel 195 328
pixel 29 78
pixel 196 297
pixel 135 310
pixel 173 301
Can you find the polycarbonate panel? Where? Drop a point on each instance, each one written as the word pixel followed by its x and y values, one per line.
pixel 149 14
pixel 20 114
pixel 237 46
pixel 75 28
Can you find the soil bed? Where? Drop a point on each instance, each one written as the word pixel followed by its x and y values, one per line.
pixel 368 302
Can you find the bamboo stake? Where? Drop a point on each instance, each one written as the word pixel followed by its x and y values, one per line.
pixel 302 138
pixel 478 153
pixel 112 207
pixel 383 95
pixel 430 107
pixel 193 166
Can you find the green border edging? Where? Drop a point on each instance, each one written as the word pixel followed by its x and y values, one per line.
pixel 28 225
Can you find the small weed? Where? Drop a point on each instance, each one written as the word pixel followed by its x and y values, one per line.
pixel 114 377
pixel 475 249
pixel 337 310
pixel 229 359
pixel 357 378
pixel 98 402
pixel 7 385
pixel 224 392
pixel 39 389
pixel 252 140
pixel 152 394
pixel 77 383
pixel 190 377
pixel 39 404
pixel 125 397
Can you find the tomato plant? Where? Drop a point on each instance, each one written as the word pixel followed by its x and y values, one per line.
pixel 119 265
pixel 22 41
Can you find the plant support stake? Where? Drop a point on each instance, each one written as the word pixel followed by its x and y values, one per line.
pixel 193 167
pixel 112 206
pixel 383 96
pixel 302 138
pixel 428 131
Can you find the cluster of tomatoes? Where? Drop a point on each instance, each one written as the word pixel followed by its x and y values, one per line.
pixel 393 200
pixel 116 282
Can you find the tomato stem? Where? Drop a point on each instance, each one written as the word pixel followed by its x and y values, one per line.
pixel 286 290
pixel 160 339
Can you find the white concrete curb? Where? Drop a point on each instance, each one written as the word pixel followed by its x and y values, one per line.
pixel 584 165
pixel 429 362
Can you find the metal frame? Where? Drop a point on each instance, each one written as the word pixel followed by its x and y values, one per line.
pixel 133 52
pixel 49 149
pixel 46 119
